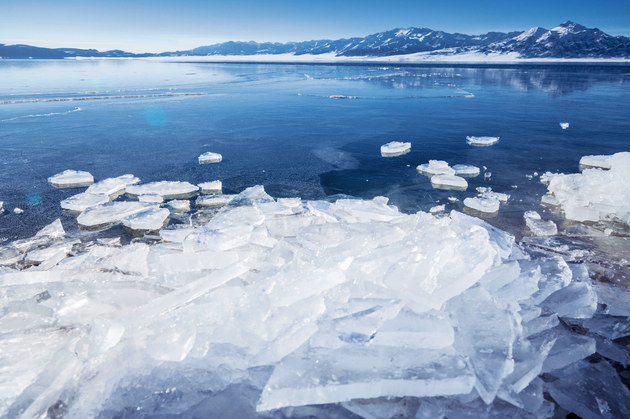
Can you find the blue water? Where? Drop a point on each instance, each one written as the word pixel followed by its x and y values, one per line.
pixel 277 125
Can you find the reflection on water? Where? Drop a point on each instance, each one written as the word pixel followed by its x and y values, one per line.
pixel 285 127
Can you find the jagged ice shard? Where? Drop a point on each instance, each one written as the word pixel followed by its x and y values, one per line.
pixel 278 303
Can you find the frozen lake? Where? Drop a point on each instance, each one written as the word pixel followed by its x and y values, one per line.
pixel 300 130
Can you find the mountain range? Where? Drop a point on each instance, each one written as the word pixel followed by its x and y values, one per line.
pixel 568 40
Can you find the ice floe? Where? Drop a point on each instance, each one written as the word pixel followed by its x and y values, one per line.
pixel 595 194
pixel 481 141
pixel 449 182
pixel 564 125
pixel 80 202
pixel 486 206
pixel 71 179
pixel 213 201
pixel 18 211
pixel 114 186
pixel 395 148
pixel 214 187
pixel 179 205
pixel 210 157
pixel 600 162
pixel 167 189
pixel 314 308
pixel 108 214
pixel 435 167
pixel 538 226
pixel 466 170
pixel 149 219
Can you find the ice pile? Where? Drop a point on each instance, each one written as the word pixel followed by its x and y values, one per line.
pixel 210 157
pixel 283 302
pixel 481 141
pixel 71 179
pixel 395 148
pixel 594 194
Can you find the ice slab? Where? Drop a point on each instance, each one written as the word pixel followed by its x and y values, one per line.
pixel 449 182
pixel 71 179
pixel 213 201
pixel 564 125
pixel 435 167
pixel 210 157
pixel 214 187
pixel 109 214
pixel 486 192
pixel 18 211
pixel 152 198
pixel 481 141
pixel 179 205
pixel 322 376
pixel 599 162
pixel 167 189
pixel 114 186
pixel 80 202
pixel 53 230
pixel 395 148
pixel 591 390
pixel 483 205
pixel 538 226
pixel 595 194
pixel 466 170
pixel 149 219
pixel 438 209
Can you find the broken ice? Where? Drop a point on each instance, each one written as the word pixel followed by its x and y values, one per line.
pixel 149 219
pixel 210 157
pixel 466 170
pixel 449 182
pixel 481 141
pixel 71 179
pixel 435 167
pixel 167 189
pixel 395 148
pixel 214 187
pixel 106 215
pixel 564 125
pixel 538 226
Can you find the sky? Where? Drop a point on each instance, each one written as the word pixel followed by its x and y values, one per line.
pixel 167 25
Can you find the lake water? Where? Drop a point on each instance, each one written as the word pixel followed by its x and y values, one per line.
pixel 285 126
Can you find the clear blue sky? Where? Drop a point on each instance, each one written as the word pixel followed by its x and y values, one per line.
pixel 165 25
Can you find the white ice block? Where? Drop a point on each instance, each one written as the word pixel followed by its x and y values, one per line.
pixel 71 179
pixel 481 141
pixel 395 148
pixel 210 157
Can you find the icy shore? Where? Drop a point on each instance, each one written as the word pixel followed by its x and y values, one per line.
pixel 311 307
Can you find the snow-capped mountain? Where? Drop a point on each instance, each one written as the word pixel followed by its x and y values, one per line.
pixel 568 40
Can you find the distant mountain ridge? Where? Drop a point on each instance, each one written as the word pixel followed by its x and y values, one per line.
pixel 568 40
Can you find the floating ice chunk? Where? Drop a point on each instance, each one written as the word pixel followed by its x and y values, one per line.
pixel 438 209
pixel 213 201
pixel 53 230
pixel 113 186
pixel 167 189
pixel 598 162
pixel 487 175
pixel 106 215
pixel 452 199
pixel 213 187
pixel 538 226
pixel 449 182
pixel 564 125
pixel 71 179
pixel 483 205
pixel 179 205
pixel 149 219
pixel 481 141
pixel 435 167
pixel 18 211
pixel 549 200
pixel 466 170
pixel 484 192
pixel 210 157
pixel 395 148
pixel 152 198
pixel 80 202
